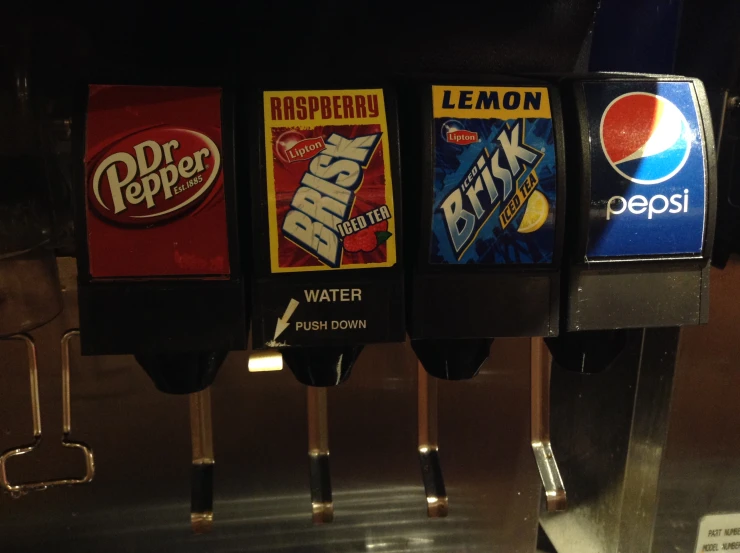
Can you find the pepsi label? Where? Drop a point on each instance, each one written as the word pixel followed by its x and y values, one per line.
pixel 648 169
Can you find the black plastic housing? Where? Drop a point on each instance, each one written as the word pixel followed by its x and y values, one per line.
pixel 163 319
pixel 473 301
pixel 322 358
pixel 637 291
pixel 455 311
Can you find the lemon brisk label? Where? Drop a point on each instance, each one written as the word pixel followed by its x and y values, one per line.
pixel 494 191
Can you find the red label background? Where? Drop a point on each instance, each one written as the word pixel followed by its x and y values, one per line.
pixel 369 195
pixel 194 244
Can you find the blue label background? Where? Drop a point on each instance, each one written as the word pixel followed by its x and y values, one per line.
pixel 493 245
pixel 635 235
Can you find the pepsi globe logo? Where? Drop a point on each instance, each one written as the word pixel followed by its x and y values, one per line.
pixel 645 137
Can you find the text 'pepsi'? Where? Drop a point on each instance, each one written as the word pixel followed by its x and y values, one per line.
pixel 638 205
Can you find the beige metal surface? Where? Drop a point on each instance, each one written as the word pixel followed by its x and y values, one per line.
pixel 646 452
pixel 140 498
pixel 701 466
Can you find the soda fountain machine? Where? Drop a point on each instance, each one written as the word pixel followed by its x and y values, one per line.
pixel 327 239
pixel 159 273
pixel 487 235
pixel 551 255
pixel 641 200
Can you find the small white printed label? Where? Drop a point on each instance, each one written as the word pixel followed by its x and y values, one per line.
pixel 720 532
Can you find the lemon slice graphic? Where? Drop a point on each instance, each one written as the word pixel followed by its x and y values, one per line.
pixel 536 213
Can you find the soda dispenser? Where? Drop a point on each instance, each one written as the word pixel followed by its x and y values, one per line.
pixel 642 206
pixel 641 209
pixel 643 200
pixel 485 238
pixel 482 247
pixel 158 257
pixel 563 211
pixel 326 224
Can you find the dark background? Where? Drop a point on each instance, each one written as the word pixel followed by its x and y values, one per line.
pixel 250 41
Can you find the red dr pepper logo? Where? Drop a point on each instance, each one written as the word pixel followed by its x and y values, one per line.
pixel 154 175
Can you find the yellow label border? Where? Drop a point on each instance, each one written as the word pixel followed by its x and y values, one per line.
pixel 438 110
pixel 269 124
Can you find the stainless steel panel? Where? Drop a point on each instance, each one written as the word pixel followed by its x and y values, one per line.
pixel 701 466
pixel 592 415
pixel 139 500
pixel 643 465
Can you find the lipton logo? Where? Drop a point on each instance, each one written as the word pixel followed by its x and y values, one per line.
pixel 462 137
pixel 154 175
pixel 305 149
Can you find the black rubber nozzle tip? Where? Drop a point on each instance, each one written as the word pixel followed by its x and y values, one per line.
pixel 321 366
pixel 182 373
pixel 452 359
pixel 587 352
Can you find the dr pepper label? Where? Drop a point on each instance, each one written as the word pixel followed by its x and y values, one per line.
pixel 329 186
pixel 154 197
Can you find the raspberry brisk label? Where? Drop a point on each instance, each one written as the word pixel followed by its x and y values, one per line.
pixel 329 186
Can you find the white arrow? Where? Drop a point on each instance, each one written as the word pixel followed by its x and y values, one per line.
pixel 282 322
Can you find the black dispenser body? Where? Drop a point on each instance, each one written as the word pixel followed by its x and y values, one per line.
pixel 641 201
pixel 159 267
pixel 326 222
pixel 487 233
